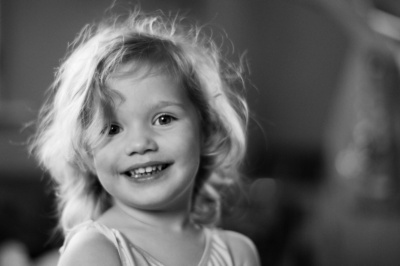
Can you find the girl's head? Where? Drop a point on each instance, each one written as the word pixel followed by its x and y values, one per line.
pixel 81 109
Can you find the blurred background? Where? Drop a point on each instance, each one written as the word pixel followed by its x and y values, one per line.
pixel 323 162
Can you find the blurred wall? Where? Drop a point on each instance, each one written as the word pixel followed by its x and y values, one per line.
pixel 294 54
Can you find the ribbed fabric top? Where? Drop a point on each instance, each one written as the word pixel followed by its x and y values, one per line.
pixel 216 252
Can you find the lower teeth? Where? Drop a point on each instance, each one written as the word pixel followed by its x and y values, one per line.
pixel 141 175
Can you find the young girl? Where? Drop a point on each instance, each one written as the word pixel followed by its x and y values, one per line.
pixel 141 130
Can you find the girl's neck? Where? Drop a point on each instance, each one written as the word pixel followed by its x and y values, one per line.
pixel 176 220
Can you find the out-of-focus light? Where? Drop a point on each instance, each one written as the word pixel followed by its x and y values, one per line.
pixel 384 23
pixel 349 163
pixel 14 253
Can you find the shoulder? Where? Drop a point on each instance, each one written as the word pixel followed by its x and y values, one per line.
pixel 243 250
pixel 89 247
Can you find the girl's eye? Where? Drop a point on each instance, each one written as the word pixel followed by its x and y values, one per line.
pixel 164 120
pixel 113 130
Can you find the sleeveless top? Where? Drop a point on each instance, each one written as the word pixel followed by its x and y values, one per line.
pixel 216 252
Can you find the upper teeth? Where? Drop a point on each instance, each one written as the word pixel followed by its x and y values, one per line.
pixel 143 170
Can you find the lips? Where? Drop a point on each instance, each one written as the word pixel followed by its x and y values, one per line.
pixel 146 171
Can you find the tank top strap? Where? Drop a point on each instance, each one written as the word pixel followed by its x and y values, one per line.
pixel 111 234
pixel 216 252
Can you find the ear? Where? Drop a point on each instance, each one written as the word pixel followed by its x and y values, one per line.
pixel 88 162
pixel 91 166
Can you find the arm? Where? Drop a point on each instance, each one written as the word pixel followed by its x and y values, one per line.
pixel 90 248
pixel 243 250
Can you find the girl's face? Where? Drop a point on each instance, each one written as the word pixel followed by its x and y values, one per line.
pixel 151 154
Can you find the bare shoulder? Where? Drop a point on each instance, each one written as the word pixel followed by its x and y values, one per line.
pixel 244 251
pixel 89 247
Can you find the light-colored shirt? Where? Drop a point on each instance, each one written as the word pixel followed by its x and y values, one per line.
pixel 216 252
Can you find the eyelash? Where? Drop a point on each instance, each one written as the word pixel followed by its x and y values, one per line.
pixel 170 117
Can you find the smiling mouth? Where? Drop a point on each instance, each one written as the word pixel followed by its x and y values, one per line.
pixel 145 171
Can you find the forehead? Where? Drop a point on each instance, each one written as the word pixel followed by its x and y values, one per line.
pixel 145 84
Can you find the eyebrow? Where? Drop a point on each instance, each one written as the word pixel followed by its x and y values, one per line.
pixel 162 104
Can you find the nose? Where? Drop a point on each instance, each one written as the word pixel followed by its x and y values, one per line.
pixel 140 142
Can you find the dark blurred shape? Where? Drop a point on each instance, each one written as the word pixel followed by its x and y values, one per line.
pixel 389 6
pixel 27 213
pixel 357 218
pixel 363 144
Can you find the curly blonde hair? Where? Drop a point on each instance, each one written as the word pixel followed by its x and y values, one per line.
pixel 70 121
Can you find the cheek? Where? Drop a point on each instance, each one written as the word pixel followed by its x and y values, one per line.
pixel 184 143
pixel 101 161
